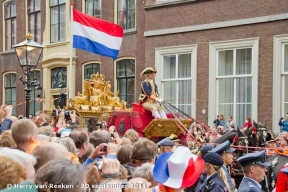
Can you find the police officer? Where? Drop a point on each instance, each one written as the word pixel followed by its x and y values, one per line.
pixel 225 152
pixel 203 151
pixel 149 96
pixel 165 145
pixel 212 168
pixel 254 168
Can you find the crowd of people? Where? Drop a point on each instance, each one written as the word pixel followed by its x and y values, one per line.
pixel 53 154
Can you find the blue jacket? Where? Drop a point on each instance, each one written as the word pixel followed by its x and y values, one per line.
pixel 219 122
pixel 147 91
pixel 249 185
pixel 6 125
pixel 284 125
pixel 213 184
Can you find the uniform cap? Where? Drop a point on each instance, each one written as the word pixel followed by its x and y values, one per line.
pixel 165 142
pixel 206 148
pixel 213 158
pixel 223 147
pixel 253 158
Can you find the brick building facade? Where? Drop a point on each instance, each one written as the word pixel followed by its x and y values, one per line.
pixel 221 56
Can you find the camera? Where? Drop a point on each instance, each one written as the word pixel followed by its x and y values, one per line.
pixel 66 114
pixel 99 124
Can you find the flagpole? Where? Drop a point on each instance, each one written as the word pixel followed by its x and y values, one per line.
pixel 71 50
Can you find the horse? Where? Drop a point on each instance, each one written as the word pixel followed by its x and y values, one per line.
pixel 227 136
pixel 261 136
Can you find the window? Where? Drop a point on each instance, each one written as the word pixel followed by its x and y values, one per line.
pixel 280 79
pixel 176 80
pixel 284 79
pixel 233 75
pixel 234 83
pixel 176 76
pixel 10 24
pixel 58 77
pixel 10 90
pixel 58 20
pixel 34 19
pixel 34 105
pixel 90 69
pixel 93 8
pixel 125 75
pixel 126 14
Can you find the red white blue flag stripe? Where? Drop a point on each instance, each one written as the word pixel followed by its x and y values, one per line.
pixel 96 35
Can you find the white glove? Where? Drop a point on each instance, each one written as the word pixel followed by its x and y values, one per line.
pixel 159 100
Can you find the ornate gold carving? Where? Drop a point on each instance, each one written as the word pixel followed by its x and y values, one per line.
pixel 166 128
pixel 97 97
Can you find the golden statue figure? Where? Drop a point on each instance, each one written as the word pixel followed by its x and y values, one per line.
pixel 97 96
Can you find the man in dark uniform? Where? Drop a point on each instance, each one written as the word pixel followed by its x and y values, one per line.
pixel 225 152
pixel 254 168
pixel 149 96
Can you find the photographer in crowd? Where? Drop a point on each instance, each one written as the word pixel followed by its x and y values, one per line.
pixel 284 123
pixel 219 121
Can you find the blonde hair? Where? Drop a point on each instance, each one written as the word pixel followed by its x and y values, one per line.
pixel 132 135
pixel 222 115
pixel 164 149
pixel 6 140
pixel 11 172
pixel 221 174
pixel 125 141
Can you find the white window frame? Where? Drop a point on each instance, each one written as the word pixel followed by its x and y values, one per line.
pixel 278 67
pixel 183 49
pixel 84 8
pixel 214 48
pixel 116 17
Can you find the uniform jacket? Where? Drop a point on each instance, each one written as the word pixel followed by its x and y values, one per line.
pixel 284 125
pixel 148 89
pixel 249 185
pixel 213 184
pixel 201 180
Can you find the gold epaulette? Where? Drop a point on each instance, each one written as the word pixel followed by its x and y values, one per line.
pixel 142 97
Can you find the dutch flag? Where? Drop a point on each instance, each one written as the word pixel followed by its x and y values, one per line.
pixel 96 35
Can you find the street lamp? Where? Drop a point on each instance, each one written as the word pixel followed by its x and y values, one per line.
pixel 28 53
